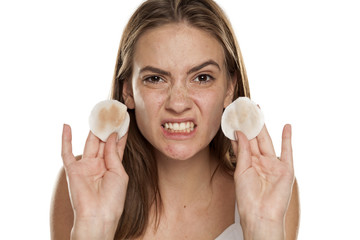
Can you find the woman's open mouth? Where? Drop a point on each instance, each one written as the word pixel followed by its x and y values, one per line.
pixel 179 127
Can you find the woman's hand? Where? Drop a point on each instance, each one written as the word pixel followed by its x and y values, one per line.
pixel 263 184
pixel 97 185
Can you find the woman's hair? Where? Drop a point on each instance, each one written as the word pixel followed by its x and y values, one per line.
pixel 138 161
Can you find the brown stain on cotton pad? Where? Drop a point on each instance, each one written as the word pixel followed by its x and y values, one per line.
pixel 110 116
pixel 242 115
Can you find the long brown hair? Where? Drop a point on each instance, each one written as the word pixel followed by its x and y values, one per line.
pixel 139 161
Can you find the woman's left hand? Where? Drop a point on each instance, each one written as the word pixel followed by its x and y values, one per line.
pixel 263 184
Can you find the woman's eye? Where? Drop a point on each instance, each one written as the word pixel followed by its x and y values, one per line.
pixel 153 79
pixel 203 78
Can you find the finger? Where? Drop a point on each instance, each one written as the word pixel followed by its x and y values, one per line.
pixel 100 153
pixel 254 147
pixel 120 145
pixel 244 153
pixel 112 159
pixel 265 143
pixel 286 146
pixel 66 146
pixel 91 146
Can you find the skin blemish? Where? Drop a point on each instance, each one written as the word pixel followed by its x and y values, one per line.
pixel 110 116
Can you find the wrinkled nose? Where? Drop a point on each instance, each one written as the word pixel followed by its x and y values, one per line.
pixel 178 100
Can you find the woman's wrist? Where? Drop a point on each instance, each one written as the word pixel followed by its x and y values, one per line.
pixel 93 229
pixel 260 229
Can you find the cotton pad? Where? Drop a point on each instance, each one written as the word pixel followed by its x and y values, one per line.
pixel 242 115
pixel 107 117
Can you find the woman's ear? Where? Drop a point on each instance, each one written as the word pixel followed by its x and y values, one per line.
pixel 128 95
pixel 230 90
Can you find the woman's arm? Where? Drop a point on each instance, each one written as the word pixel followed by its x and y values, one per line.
pixel 292 218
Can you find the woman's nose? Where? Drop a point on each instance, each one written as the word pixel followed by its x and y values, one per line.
pixel 178 100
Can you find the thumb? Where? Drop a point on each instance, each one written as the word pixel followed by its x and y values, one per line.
pixel 243 154
pixel 120 145
pixel 112 156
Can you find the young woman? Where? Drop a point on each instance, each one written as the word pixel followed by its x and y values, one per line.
pixel 174 175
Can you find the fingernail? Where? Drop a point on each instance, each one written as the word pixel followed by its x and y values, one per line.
pixel 236 137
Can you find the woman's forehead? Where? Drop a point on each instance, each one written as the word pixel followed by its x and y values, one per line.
pixel 178 44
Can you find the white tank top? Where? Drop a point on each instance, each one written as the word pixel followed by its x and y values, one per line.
pixel 234 231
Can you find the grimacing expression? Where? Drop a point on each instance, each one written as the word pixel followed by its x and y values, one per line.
pixel 179 88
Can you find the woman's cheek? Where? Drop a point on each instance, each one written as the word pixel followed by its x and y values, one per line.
pixel 147 109
pixel 211 106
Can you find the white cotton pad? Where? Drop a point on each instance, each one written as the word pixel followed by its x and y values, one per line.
pixel 107 117
pixel 242 115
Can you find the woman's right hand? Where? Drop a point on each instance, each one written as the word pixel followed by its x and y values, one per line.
pixel 97 185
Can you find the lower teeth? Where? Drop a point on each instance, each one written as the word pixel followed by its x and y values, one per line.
pixel 179 131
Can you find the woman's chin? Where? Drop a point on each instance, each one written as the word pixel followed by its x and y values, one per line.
pixel 179 152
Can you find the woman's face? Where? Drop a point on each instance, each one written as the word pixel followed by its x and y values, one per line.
pixel 179 89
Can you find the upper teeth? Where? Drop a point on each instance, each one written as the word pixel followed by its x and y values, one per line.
pixel 180 126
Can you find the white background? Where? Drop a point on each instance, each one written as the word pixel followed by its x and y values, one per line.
pixel 302 57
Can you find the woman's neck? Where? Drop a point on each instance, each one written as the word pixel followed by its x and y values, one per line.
pixel 193 194
pixel 183 183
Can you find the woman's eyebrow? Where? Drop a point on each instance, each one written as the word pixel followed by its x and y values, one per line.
pixel 198 67
pixel 155 70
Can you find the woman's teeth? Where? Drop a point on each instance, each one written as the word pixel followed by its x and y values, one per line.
pixel 183 127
